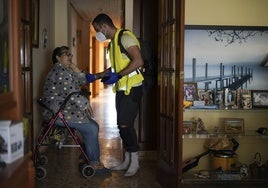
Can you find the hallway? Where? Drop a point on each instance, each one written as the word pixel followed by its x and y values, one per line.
pixel 62 168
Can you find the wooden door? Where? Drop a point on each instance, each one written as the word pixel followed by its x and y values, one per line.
pixel 171 27
pixel 145 27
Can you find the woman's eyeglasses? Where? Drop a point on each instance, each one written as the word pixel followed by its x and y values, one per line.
pixel 69 54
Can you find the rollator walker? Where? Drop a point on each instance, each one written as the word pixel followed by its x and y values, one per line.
pixel 59 134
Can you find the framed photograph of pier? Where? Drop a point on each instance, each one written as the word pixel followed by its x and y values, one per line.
pixel 259 98
pixel 233 125
pixel 190 91
pixel 234 57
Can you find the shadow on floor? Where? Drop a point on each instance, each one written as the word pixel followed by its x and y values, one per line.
pixel 62 171
pixel 62 167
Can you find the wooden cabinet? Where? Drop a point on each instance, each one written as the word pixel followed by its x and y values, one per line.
pixel 16 99
pixel 20 173
pixel 250 142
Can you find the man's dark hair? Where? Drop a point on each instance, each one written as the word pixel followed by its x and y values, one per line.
pixel 103 19
pixel 57 52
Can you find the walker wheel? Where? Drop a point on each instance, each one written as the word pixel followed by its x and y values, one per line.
pixel 88 171
pixel 42 160
pixel 40 172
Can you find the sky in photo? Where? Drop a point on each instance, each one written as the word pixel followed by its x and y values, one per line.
pixel 207 50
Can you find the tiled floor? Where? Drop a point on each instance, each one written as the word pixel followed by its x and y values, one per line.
pixel 62 168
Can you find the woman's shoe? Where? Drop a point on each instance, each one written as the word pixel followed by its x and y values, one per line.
pixel 100 169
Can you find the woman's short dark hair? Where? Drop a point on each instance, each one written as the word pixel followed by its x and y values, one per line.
pixel 103 19
pixel 57 52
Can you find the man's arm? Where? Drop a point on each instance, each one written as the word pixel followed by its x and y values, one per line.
pixel 136 60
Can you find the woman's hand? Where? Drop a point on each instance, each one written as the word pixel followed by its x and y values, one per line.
pixel 74 68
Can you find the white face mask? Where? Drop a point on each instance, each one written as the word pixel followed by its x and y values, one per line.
pixel 100 37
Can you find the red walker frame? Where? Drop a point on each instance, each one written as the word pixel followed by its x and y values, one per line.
pixel 87 170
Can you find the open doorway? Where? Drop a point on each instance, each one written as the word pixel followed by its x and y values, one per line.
pixel 98 62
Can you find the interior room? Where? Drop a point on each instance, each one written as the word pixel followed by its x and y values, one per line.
pixel 202 120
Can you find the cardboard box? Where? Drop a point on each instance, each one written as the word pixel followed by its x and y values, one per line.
pixel 11 140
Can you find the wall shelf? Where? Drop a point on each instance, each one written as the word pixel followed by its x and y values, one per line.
pixel 226 110
pixel 223 178
pixel 248 133
pixel 250 142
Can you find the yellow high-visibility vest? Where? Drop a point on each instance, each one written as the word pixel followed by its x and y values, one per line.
pixel 118 63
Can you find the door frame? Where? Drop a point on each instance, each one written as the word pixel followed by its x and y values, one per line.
pixel 171 75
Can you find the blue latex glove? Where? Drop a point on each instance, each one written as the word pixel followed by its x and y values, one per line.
pixel 90 78
pixel 111 78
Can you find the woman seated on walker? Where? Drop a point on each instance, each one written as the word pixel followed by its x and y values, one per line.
pixel 63 79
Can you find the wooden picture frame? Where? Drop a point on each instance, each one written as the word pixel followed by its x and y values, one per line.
pixel 246 101
pixel 35 23
pixel 233 125
pixel 189 127
pixel 206 96
pixel 190 91
pixel 259 98
pixel 218 97
pixel 230 97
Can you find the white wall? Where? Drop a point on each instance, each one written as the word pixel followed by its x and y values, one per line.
pixel 42 57
pixel 59 19
pixel 226 12
pixel 61 24
pixel 129 14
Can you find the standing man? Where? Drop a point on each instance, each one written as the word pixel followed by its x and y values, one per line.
pixel 126 78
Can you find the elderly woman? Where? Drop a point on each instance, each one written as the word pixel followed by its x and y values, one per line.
pixel 63 79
